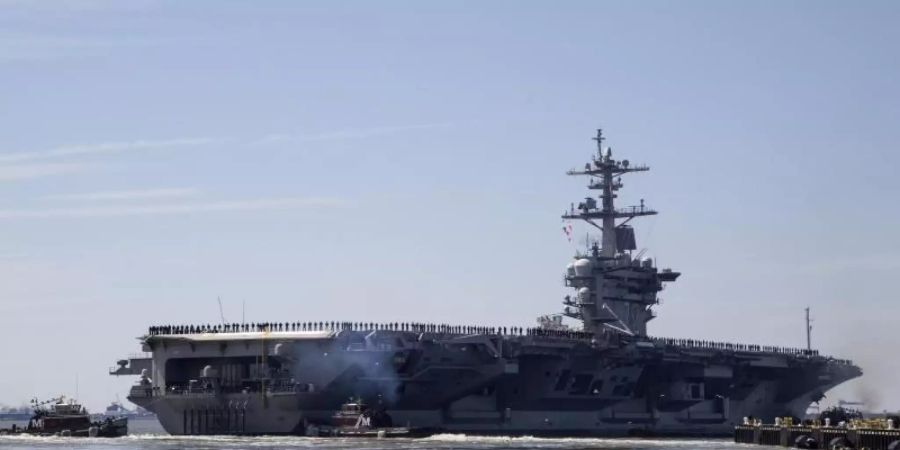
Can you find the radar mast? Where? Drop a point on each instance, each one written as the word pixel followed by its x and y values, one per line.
pixel 614 293
pixel 605 175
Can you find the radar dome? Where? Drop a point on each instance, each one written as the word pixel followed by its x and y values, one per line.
pixel 583 267
pixel 584 295
pixel 570 270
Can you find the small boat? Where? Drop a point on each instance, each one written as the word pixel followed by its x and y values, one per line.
pixel 59 417
pixel 356 419
pixel 116 410
pixel 18 414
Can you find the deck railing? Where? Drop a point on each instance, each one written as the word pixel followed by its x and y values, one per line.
pixel 433 328
pixel 728 346
pixel 458 330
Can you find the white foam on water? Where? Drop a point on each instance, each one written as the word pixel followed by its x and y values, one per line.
pixel 531 441
pixel 439 442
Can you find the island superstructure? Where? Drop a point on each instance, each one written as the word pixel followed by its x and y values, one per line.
pixel 604 378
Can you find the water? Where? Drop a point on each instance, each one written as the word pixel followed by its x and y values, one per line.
pixel 147 435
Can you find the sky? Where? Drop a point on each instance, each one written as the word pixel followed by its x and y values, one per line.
pixel 404 161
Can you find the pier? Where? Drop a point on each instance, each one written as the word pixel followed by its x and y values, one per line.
pixel 873 434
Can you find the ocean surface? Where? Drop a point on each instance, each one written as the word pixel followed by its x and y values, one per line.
pixel 147 435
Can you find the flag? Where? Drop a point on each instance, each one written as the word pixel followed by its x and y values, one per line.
pixel 567 229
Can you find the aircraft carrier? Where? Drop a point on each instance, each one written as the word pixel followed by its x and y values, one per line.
pixel 604 377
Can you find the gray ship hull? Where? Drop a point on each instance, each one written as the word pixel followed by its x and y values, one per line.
pixel 278 383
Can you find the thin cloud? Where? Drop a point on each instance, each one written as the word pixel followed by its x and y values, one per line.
pixel 284 203
pixel 58 6
pixel 20 165
pixel 143 194
pixel 359 133
pixel 865 262
pixel 12 256
pixel 16 48
pixel 105 147
pixel 139 145
pixel 19 172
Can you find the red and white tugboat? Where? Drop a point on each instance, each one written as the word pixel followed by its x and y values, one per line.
pixel 356 419
pixel 59 417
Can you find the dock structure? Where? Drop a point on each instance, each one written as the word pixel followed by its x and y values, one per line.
pixel 869 436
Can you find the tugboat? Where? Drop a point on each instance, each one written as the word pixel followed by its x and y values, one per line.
pixel 116 410
pixel 58 417
pixel 356 419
